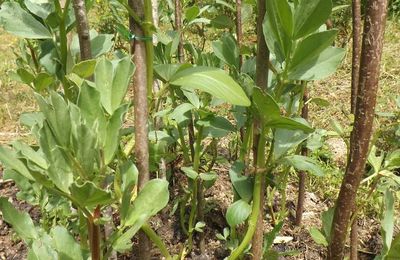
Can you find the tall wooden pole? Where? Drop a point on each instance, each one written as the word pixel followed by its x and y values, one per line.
pixel 355 69
pixel 140 89
pixel 374 28
pixel 82 26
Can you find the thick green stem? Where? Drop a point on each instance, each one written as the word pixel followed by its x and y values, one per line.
pixel 246 140
pixel 182 214
pixel 156 240
pixel 196 186
pixel 185 149
pixel 260 176
pixel 63 45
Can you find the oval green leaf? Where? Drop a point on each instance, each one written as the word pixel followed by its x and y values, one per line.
pixel 214 81
pixel 19 22
pixel 237 213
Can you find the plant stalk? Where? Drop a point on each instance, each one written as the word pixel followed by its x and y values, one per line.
pixel 196 186
pixel 257 199
pixel 94 235
pixel 302 175
pixel 156 240
pixel 261 81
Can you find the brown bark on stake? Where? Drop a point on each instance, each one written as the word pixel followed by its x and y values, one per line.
pixel 178 28
pixel 354 239
pixel 302 174
pixel 355 69
pixel 355 74
pixel 374 27
pixel 262 59
pixel 82 26
pixel 141 149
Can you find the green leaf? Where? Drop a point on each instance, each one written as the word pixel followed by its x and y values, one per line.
pixel 192 174
pixel 269 112
pixel 101 44
pixel 85 68
pixel 57 116
pixel 192 97
pixel 309 48
pixel 310 15
pixel 327 220
pixel 124 242
pixel 208 178
pixel 287 139
pixel 59 170
pixel 222 22
pixel 112 80
pixel 224 3
pixel 21 221
pixel 394 252
pixel 303 163
pixel 114 126
pixel 319 67
pixel 375 161
pixel 129 175
pixel 91 110
pixel 388 221
pixel 289 123
pixel 216 82
pixel 42 249
pixel 165 72
pixel 270 237
pixel 25 76
pixel 89 195
pixel 318 237
pixel 191 13
pixel 85 147
pixel 266 105
pixel 40 8
pixel 243 185
pixel 227 50
pixel 30 154
pixel 42 81
pixel 392 160
pixel 17 21
pixel 30 119
pixel 65 245
pixel 216 126
pixel 237 213
pixel 278 28
pixel 319 102
pixel 152 198
pixel 9 159
pixel 181 113
pixel 199 226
